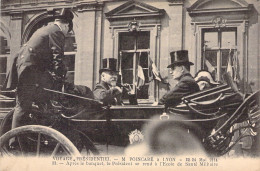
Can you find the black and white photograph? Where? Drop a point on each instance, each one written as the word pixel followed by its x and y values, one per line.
pixel 129 85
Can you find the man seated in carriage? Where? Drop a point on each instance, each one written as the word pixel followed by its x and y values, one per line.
pixel 205 80
pixel 180 70
pixel 106 90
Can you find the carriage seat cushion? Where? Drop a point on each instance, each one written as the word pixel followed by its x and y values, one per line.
pixel 73 104
pixel 79 90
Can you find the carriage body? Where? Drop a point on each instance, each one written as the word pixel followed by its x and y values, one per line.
pixel 215 111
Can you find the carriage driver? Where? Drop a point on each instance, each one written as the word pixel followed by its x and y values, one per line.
pixel 39 62
pixel 180 70
pixel 107 91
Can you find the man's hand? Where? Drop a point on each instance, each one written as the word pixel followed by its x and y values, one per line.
pixel 127 87
pixel 117 90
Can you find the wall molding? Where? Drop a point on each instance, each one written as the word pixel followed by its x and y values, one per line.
pixel 89 6
pixel 18 15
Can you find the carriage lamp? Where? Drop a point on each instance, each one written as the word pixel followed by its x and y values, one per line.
pixel 133 26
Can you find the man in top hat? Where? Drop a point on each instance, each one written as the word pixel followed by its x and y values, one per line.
pixel 180 70
pixel 106 90
pixel 39 64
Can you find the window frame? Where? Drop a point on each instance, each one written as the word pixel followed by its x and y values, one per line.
pixel 242 43
pixel 148 18
pixel 220 49
pixel 208 14
pixel 154 55
pixel 135 53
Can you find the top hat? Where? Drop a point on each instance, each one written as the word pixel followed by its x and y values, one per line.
pixel 179 57
pixel 205 76
pixel 64 14
pixel 109 64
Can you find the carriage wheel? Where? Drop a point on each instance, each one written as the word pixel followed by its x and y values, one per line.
pixel 37 140
pixel 85 145
pixel 83 142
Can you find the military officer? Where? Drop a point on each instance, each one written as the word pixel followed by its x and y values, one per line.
pixel 180 70
pixel 39 62
pixel 107 91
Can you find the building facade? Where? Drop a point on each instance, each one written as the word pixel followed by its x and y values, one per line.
pixel 141 33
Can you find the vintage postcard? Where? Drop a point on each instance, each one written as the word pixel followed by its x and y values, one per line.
pixel 130 84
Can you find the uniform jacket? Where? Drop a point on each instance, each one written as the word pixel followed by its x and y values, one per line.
pixel 43 51
pixel 184 87
pixel 103 93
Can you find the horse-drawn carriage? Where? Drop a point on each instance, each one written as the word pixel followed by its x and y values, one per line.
pixel 56 132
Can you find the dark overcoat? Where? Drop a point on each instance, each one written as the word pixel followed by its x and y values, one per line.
pixel 43 51
pixel 184 87
pixel 108 96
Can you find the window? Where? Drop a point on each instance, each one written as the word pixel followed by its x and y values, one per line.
pixel 217 45
pixel 4 53
pixel 134 50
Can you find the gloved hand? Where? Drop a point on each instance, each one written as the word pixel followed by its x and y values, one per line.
pixel 128 88
pixel 117 90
